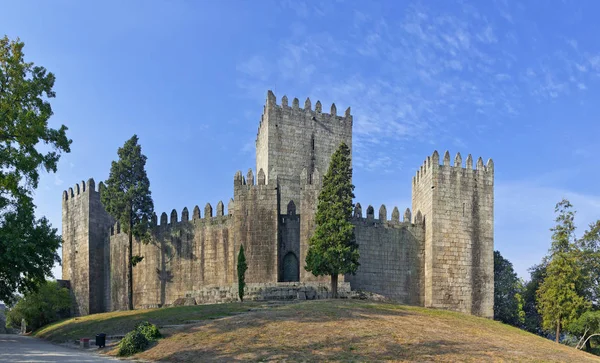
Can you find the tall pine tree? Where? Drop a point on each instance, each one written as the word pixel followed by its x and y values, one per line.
pixel 127 198
pixel 332 248
pixel 560 300
pixel 241 271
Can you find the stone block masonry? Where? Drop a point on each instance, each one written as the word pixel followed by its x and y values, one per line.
pixel 440 255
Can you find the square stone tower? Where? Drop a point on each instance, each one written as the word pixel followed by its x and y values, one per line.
pixel 291 139
pixel 457 205
pixel 85 227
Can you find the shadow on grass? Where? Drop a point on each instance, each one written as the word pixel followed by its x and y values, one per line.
pixel 319 346
pixel 336 349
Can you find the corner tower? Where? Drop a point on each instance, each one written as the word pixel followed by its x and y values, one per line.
pixel 85 229
pixel 457 205
pixel 291 139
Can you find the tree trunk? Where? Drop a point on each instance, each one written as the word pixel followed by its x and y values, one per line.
pixel 558 331
pixel 130 271
pixel 334 285
pixel 588 346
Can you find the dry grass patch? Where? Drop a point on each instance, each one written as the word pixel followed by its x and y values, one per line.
pixel 121 322
pixel 356 331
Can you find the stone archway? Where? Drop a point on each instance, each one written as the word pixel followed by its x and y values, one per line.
pixel 291 268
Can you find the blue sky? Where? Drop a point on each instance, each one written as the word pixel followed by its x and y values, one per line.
pixel 515 81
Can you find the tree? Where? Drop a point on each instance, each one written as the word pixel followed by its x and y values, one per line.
pixel 559 299
pixel 533 319
pixel 27 145
pixel 44 306
pixel 127 198
pixel 332 248
pixel 241 271
pixel 587 327
pixel 589 246
pixel 508 301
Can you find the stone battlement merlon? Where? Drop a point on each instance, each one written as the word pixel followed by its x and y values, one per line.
pixel 433 161
pixel 382 217
pixel 165 222
pixel 239 179
pixel 272 102
pixel 79 189
pixel 318 113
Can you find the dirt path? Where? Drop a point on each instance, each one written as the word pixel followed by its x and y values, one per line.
pixel 17 348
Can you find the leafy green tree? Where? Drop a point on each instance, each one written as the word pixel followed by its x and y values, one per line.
pixel 27 245
pixel 587 327
pixel 589 246
pixel 560 301
pixel 241 271
pixel 127 198
pixel 332 248
pixel 508 301
pixel 44 306
pixel 533 319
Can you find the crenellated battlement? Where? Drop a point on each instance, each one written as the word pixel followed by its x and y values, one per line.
pixel 80 189
pixel 173 221
pixel 239 180
pixel 382 218
pixel 297 114
pixel 433 163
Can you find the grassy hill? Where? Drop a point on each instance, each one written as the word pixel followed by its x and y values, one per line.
pixel 332 330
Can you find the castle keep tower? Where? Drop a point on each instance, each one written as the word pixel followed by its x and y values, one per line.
pixel 457 205
pixel 291 139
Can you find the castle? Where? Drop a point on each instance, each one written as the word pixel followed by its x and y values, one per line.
pixel 440 255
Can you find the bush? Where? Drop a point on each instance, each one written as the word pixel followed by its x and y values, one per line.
pixel 149 330
pixel 133 342
pixel 49 304
pixel 138 339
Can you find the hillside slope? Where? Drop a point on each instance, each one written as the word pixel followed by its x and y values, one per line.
pixel 341 330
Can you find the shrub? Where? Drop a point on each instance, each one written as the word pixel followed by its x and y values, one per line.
pixel 50 303
pixel 133 342
pixel 149 330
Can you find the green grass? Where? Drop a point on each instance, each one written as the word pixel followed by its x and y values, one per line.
pixel 121 322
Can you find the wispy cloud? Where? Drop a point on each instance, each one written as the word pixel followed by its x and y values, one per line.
pixel 420 76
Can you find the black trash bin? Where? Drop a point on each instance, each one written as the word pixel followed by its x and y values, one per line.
pixel 101 340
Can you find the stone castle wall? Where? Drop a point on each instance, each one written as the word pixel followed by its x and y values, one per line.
pixel 442 256
pixel 189 253
pixel 391 255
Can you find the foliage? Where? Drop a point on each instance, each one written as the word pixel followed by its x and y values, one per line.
pixel 533 319
pixel 589 246
pixel 27 145
pixel 241 271
pixel 132 343
pixel 46 305
pixel 586 327
pixel 127 198
pixel 149 330
pixel 559 298
pixel 332 248
pixel 508 302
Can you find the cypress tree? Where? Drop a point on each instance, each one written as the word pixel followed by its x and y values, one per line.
pixel 332 248
pixel 127 198
pixel 241 271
